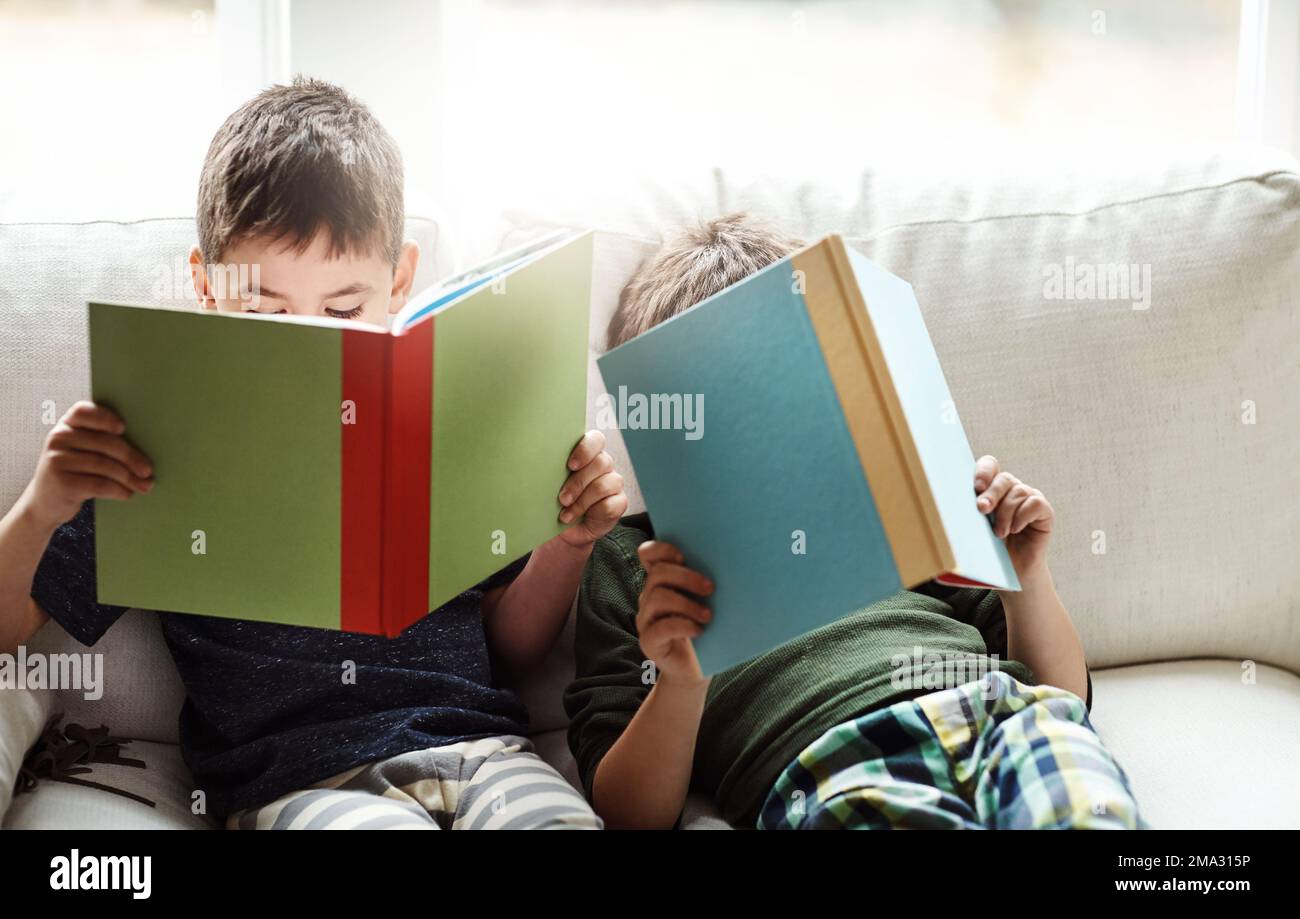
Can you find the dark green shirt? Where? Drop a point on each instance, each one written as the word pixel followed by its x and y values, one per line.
pixel 760 715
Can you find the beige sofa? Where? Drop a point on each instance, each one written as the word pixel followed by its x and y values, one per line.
pixel 1164 424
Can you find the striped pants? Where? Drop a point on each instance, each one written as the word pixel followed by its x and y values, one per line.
pixel 993 754
pixel 493 783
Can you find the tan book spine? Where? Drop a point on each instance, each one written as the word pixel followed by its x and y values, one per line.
pixel 873 412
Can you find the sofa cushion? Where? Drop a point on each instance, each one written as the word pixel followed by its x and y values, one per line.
pixel 1161 435
pixel 23 714
pixel 142 692
pixel 884 194
pixel 1203 746
pixel 164 780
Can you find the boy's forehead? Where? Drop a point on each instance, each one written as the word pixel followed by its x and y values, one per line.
pixel 284 263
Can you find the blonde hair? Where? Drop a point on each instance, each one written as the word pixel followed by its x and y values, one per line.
pixel 693 266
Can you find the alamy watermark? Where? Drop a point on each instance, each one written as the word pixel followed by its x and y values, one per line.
pixel 75 871
pixel 1073 280
pixel 935 670
pixel 81 672
pixel 230 281
pixel 651 412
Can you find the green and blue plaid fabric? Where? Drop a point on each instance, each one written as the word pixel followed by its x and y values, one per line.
pixel 992 754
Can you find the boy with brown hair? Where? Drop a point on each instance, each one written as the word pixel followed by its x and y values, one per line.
pixel 840 727
pixel 303 187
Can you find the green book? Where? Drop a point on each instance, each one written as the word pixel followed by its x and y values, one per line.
pixel 335 474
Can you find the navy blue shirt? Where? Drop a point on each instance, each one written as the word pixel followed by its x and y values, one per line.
pixel 267 710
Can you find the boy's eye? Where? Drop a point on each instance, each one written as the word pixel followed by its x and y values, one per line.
pixel 344 314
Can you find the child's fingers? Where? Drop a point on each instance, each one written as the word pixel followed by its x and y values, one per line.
pixel 1007 508
pixel 84 463
pixel 112 445
pixel 657 550
pixel 95 417
pixel 986 470
pixel 1033 509
pixel 578 481
pixel 664 601
pixel 658 634
pixel 587 449
pixel 606 486
pixel 667 574
pixel 607 512
pixel 1002 483
pixel 94 486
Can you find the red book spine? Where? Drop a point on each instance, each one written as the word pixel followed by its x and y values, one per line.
pixel 408 459
pixel 363 425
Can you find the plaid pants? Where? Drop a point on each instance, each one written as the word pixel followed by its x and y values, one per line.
pixel 489 784
pixel 992 754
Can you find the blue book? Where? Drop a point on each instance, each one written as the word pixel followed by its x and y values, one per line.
pixel 794 436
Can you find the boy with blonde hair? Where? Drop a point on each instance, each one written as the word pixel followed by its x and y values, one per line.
pixel 840 727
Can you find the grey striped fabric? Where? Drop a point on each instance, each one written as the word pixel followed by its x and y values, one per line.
pixel 495 783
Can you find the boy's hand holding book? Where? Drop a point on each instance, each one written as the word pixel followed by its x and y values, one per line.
pixel 524 618
pixel 1022 517
pixel 667 616
pixel 85 456
pixel 592 497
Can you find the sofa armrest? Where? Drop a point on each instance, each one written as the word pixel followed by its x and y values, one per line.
pixel 23 713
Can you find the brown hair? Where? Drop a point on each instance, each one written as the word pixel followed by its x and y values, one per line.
pixel 693 266
pixel 298 159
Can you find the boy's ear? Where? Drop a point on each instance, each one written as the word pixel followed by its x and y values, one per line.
pixel 202 289
pixel 404 275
